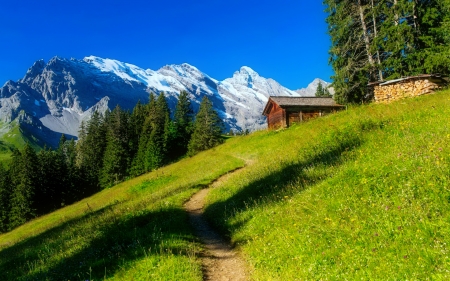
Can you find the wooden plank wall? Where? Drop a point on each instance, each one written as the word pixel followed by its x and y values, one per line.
pixel 276 118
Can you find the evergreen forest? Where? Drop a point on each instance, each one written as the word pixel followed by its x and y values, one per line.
pixel 111 148
pixel 377 40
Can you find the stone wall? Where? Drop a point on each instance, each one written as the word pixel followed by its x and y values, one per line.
pixel 405 88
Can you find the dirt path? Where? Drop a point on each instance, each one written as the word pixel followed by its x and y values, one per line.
pixel 220 261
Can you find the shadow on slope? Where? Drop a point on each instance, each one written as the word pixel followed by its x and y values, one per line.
pixel 290 178
pixel 98 244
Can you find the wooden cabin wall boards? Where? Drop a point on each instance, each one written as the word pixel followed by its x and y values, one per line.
pixel 281 112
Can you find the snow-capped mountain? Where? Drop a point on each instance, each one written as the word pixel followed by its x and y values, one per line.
pixel 312 88
pixel 56 96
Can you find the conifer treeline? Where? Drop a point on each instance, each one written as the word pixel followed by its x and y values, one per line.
pixel 376 40
pixel 111 147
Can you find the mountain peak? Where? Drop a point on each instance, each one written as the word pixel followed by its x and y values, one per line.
pixel 37 65
pixel 248 70
pixel 245 76
pixel 92 58
pixel 55 59
pixel 181 69
pixel 316 82
pixel 34 70
pixel 311 89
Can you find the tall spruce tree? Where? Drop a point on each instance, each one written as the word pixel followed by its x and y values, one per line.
pixel 52 180
pixel 140 163
pixel 24 178
pixel 5 195
pixel 322 91
pixel 157 143
pixel 117 152
pixel 374 40
pixel 319 90
pixel 137 120
pixel 348 52
pixel 182 124
pixel 90 152
pixel 208 128
pixel 432 22
pixel 72 179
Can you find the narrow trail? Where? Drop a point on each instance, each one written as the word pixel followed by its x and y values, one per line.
pixel 220 261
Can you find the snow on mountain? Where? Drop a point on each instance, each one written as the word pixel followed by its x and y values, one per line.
pixel 59 95
pixel 312 87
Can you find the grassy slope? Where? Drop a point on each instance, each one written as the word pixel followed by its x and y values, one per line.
pixel 361 194
pixel 15 138
pixel 134 231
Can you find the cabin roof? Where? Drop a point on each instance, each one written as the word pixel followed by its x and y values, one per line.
pixel 285 102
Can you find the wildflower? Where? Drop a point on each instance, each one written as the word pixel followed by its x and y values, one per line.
pixel 387 208
pixel 376 234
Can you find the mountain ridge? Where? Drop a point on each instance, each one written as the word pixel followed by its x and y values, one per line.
pixel 60 94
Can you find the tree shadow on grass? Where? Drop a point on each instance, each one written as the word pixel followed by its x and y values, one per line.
pixel 119 241
pixel 290 178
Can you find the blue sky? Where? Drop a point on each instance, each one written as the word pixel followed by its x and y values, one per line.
pixel 285 39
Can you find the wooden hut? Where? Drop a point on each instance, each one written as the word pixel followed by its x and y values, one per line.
pixel 388 91
pixel 283 111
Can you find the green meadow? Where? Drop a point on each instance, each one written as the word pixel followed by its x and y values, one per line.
pixel 361 194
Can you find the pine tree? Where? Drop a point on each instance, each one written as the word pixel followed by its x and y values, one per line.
pixel 90 151
pixel 398 34
pixel 319 90
pixel 349 55
pixel 157 143
pixel 432 37
pixel 24 176
pixel 139 164
pixel 117 152
pixel 72 180
pixel 52 180
pixel 207 130
pixel 374 40
pixel 5 195
pixel 182 123
pixel 137 120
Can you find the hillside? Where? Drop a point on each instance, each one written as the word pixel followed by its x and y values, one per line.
pixel 361 194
